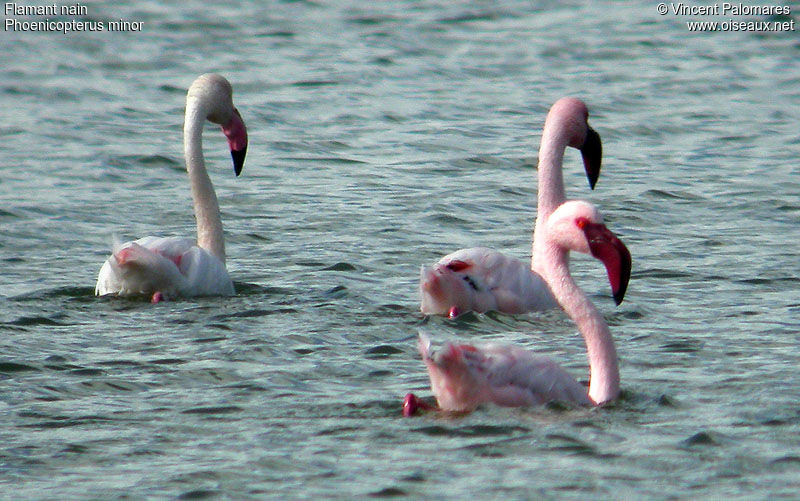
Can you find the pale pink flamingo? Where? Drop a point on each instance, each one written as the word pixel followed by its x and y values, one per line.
pixel 182 267
pixel 465 376
pixel 480 279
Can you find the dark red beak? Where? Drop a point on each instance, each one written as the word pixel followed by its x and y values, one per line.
pixel 609 249
pixel 592 152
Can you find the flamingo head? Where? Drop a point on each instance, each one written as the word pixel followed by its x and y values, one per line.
pixel 450 289
pixel 573 115
pixel 457 384
pixel 578 226
pixel 216 95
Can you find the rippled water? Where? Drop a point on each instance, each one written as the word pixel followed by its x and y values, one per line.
pixel 383 136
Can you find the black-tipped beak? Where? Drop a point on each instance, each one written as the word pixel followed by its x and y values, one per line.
pixel 609 249
pixel 592 152
pixel 238 160
pixel 236 132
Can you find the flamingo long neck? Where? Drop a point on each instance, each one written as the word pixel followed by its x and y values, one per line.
pixel 551 157
pixel 206 207
pixel 551 187
pixel 603 367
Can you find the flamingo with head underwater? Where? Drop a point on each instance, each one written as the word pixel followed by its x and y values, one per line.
pixel 170 267
pixel 464 376
pixel 481 279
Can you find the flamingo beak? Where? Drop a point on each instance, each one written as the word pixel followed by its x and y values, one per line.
pixel 238 160
pixel 592 152
pixel 609 249
pixel 412 404
pixel 236 132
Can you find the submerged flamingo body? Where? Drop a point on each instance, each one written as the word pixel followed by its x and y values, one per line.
pixel 164 268
pixel 464 376
pixel 480 279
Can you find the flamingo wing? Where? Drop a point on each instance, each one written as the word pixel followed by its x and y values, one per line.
pixel 172 266
pixel 519 377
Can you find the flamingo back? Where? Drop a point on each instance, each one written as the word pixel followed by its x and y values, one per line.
pixel 465 376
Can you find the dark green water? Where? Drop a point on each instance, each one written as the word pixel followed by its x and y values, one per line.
pixel 383 136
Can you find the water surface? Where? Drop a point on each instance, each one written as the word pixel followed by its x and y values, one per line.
pixel 382 137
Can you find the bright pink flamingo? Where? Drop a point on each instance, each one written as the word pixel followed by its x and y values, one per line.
pixel 481 279
pixel 465 376
pixel 169 267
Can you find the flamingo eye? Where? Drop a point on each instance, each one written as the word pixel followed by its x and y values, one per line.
pixel 581 222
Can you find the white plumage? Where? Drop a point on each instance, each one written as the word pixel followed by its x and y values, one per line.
pixel 171 267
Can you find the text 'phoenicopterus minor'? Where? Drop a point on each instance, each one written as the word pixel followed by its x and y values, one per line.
pixel 480 279
pixel 465 376
pixel 171 266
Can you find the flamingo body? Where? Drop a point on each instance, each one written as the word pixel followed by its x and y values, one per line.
pixel 165 268
pixel 173 266
pixel 466 376
pixel 481 279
